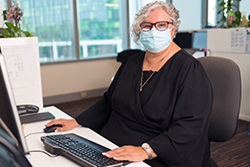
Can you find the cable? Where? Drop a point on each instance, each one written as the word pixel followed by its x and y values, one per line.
pixel 41 151
pixel 33 134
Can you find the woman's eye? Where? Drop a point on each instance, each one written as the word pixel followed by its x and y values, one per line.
pixel 162 25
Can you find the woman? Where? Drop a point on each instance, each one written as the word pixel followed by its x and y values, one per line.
pixel 158 105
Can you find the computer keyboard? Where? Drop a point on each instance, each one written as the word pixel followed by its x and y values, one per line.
pixel 80 150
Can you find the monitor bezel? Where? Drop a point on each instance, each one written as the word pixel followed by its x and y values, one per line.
pixel 184 39
pixel 17 128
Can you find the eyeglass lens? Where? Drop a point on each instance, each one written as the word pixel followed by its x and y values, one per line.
pixel 161 26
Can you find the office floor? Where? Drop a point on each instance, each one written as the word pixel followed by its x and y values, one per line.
pixel 233 153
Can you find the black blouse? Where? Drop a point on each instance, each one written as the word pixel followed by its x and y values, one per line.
pixel 171 113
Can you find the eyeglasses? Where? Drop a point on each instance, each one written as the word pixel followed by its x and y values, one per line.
pixel 161 25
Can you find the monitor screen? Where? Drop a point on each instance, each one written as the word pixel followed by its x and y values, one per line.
pixel 8 109
pixel 184 39
pixel 199 40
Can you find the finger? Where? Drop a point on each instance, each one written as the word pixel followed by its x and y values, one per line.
pixel 60 130
pixel 52 123
pixel 122 158
pixel 109 154
pixel 57 121
pixel 122 155
pixel 118 153
pixel 127 153
pixel 114 151
pixel 64 128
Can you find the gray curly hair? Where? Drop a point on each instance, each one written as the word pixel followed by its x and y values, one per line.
pixel 143 14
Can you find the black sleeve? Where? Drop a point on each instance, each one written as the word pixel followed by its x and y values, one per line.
pixel 97 115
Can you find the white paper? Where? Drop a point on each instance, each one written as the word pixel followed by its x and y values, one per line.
pixel 20 65
pixel 238 39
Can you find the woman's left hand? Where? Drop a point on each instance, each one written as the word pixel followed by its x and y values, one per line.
pixel 129 153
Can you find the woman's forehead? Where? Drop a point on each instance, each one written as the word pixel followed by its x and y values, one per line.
pixel 158 14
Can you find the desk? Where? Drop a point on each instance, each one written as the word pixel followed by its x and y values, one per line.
pixel 38 159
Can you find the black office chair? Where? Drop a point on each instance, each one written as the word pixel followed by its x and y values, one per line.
pixel 225 78
pixel 10 154
pixel 125 54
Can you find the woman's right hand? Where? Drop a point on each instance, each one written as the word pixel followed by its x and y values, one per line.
pixel 67 124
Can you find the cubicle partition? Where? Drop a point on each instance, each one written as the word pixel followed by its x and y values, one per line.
pixel 234 43
pixel 23 65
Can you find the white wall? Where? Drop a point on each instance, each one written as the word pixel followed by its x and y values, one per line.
pixel 66 78
pixel 190 14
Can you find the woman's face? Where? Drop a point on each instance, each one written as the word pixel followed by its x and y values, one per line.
pixel 160 15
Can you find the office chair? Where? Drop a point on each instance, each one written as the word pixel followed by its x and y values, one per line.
pixel 125 54
pixel 224 75
pixel 10 153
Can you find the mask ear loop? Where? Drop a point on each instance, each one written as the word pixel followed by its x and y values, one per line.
pixel 171 34
pixel 175 30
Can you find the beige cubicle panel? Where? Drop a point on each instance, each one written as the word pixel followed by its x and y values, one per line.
pixel 234 44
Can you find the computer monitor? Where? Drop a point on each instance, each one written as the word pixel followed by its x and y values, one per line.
pixel 184 39
pixel 199 40
pixel 8 108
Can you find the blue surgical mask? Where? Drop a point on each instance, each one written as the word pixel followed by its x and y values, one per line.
pixel 155 40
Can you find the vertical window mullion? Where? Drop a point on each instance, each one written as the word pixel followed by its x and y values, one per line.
pixel 125 24
pixel 76 39
pixel 204 13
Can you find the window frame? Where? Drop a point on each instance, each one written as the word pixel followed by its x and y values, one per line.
pixel 125 32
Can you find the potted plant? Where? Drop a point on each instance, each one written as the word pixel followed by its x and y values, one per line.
pixel 14 16
pixel 229 16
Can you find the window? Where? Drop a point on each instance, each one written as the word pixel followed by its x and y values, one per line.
pixel 244 7
pixel 190 14
pixel 73 30
pixel 213 8
pixel 99 28
pixel 212 13
pixel 89 29
pixel 78 29
pixel 3 6
pixel 51 21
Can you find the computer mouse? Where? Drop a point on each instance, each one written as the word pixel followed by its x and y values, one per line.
pixel 51 128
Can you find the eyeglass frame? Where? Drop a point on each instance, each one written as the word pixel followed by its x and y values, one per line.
pixel 154 25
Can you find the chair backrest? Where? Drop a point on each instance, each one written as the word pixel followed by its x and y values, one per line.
pixel 125 54
pixel 224 75
pixel 10 154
